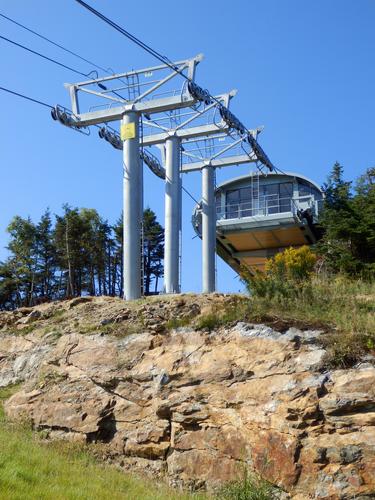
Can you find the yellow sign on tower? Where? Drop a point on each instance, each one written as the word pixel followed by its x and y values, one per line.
pixel 127 131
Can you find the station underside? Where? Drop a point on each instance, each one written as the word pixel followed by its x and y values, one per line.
pixel 251 241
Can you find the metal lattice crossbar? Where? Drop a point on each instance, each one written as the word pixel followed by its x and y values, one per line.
pixel 149 90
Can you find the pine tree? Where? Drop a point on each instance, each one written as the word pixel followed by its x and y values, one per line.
pixel 348 223
pixel 46 256
pixel 117 271
pixel 23 258
pixel 153 250
pixel 79 254
pixel 68 240
pixel 8 289
pixel 364 204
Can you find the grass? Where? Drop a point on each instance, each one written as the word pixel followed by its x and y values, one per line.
pixel 238 309
pixel 33 467
pixel 55 470
pixel 175 323
pixel 25 330
pixel 250 487
pixel 344 308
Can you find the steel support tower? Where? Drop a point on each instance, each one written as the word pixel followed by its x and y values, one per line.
pixel 172 215
pixel 131 211
pixel 144 100
pixel 169 139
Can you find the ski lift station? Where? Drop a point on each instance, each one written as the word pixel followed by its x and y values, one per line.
pixel 162 110
pixel 259 215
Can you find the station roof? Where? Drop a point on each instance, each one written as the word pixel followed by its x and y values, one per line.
pixel 276 174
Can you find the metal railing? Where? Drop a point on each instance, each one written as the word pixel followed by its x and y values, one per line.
pixel 268 205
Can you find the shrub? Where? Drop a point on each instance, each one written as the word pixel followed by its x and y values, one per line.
pixel 287 274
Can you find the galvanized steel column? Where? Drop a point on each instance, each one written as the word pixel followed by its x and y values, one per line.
pixel 132 201
pixel 172 215
pixel 208 230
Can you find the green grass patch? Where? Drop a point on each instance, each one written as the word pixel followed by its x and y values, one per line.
pixel 175 323
pixel 250 487
pixel 58 316
pixel 226 314
pixel 25 330
pixel 33 468
pixel 342 307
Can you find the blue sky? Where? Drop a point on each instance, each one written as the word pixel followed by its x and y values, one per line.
pixel 304 69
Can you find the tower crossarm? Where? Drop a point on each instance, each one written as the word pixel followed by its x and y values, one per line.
pixel 144 91
pixel 228 161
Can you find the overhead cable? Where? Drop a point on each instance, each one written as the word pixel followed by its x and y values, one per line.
pixel 37 101
pixel 27 97
pixel 60 47
pixel 43 56
pixel 54 43
pixel 147 48
pixel 203 94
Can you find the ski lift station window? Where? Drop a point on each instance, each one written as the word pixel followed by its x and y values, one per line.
pixel 306 189
pixel 260 199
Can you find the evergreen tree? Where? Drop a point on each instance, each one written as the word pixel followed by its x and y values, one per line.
pixel 348 224
pixel 46 256
pixel 22 263
pixel 153 250
pixel 9 298
pixel 70 255
pixel 78 254
pixel 117 261
pixel 364 205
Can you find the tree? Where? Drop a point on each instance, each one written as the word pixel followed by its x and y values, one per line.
pixel 68 242
pixel 46 262
pixel 22 263
pixel 364 205
pixel 348 224
pixel 8 288
pixel 153 250
pixel 117 270
pixel 286 275
pixel 78 253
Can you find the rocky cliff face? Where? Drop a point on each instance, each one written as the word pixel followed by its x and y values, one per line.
pixel 192 404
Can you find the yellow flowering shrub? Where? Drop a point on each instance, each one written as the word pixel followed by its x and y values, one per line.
pixel 287 274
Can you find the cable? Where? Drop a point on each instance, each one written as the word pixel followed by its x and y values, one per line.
pixel 190 195
pixel 27 97
pixel 38 102
pixel 171 65
pixel 53 43
pixel 43 56
pixel 150 50
pixel 63 48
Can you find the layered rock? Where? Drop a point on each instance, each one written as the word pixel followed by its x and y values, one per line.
pixel 197 406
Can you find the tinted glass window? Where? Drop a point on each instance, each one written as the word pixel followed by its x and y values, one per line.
pixel 317 194
pixel 233 196
pixel 286 194
pixel 233 200
pixel 304 189
pixel 245 194
pixel 286 189
pixel 271 189
pixel 271 199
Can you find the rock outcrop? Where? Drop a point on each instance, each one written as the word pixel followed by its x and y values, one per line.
pixel 196 405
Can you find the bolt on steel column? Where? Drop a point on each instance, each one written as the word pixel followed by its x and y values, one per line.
pixel 132 201
pixel 208 230
pixel 172 215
